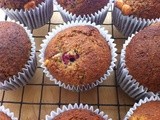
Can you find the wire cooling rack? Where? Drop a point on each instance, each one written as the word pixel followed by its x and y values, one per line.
pixel 41 96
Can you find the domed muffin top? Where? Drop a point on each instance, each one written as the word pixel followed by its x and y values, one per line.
pixel 78 55
pixel 15 49
pixel 143 55
pixel 78 114
pixel 82 7
pixel 147 111
pixel 20 4
pixel 148 9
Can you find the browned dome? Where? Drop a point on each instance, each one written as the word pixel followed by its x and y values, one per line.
pixel 19 4
pixel 78 55
pixel 148 9
pixel 78 114
pixel 15 49
pixel 83 7
pixel 143 57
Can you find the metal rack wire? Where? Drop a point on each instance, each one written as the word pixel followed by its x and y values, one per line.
pixel 39 97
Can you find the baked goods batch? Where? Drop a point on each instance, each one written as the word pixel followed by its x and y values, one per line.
pixel 80 54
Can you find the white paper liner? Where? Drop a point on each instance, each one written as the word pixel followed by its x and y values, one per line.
pixel 97 17
pixel 136 105
pixel 76 23
pixel 126 81
pixel 23 77
pixel 128 25
pixel 33 18
pixel 8 113
pixel 76 106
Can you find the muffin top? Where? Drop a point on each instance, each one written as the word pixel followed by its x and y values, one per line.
pixel 14 49
pixel 4 116
pixel 78 55
pixel 143 55
pixel 148 9
pixel 20 4
pixel 78 114
pixel 147 111
pixel 82 7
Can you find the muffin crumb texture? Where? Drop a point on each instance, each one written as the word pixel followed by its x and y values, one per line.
pixel 78 55
pixel 78 114
pixel 82 7
pixel 147 111
pixel 20 4
pixel 15 49
pixel 4 116
pixel 143 55
pixel 148 9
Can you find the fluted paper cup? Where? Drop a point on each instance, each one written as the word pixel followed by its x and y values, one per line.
pixel 53 114
pixel 33 18
pixel 141 102
pixel 8 113
pixel 97 17
pixel 129 25
pixel 25 75
pixel 103 32
pixel 127 82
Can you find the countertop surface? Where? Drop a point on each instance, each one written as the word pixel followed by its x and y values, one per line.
pixel 41 96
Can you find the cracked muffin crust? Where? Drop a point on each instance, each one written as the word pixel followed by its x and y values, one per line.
pixel 78 55
pixel 142 57
pixel 78 114
pixel 148 9
pixel 147 111
pixel 20 4
pixel 82 7
pixel 15 49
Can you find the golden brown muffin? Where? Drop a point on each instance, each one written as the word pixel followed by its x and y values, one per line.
pixel 78 55
pixel 4 116
pixel 82 7
pixel 20 4
pixel 148 9
pixel 78 114
pixel 143 55
pixel 14 49
pixel 147 111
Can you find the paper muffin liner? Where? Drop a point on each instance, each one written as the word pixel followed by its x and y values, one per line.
pixel 68 25
pixel 136 105
pixel 33 18
pixel 8 113
pixel 53 114
pixel 23 77
pixel 97 17
pixel 126 81
pixel 128 25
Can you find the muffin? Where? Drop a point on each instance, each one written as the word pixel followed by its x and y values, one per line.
pixel 145 113
pixel 130 16
pixel 77 112
pixel 69 55
pixel 147 109
pixel 89 10
pixel 15 55
pixel 20 4
pixel 78 56
pixel 5 114
pixel 139 57
pixel 31 13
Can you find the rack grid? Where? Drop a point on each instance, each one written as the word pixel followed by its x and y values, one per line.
pixel 41 96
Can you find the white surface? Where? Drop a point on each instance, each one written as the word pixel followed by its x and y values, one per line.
pixel 2 15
